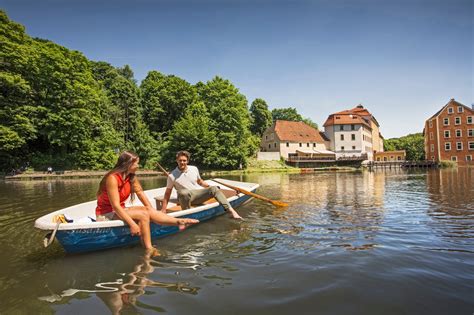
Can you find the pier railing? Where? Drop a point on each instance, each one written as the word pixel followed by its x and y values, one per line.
pixel 401 164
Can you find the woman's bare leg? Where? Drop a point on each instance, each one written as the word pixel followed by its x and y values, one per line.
pixel 162 218
pixel 143 218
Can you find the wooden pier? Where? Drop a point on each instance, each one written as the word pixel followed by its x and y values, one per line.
pixel 402 164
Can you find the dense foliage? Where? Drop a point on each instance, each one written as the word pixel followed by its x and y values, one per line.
pixel 59 109
pixel 261 117
pixel 413 144
pixel 291 114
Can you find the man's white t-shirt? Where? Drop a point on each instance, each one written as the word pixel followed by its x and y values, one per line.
pixel 184 180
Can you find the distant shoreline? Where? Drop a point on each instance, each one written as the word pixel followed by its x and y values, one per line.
pixel 149 173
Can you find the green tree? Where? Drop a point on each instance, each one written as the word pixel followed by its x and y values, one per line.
pixel 194 132
pixel 230 120
pixel 50 105
pixel 125 111
pixel 413 144
pixel 289 113
pixel 165 99
pixel 311 123
pixel 261 117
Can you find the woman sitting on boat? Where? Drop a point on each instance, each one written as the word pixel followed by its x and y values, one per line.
pixel 116 187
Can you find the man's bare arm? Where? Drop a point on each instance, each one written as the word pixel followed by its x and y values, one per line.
pixel 166 199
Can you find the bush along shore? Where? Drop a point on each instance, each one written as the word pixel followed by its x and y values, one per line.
pixel 253 167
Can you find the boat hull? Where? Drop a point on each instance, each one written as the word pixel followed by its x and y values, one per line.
pixel 94 239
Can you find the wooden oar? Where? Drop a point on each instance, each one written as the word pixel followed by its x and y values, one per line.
pixel 249 193
pixel 162 169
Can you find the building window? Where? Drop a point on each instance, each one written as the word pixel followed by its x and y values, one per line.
pixel 470 132
pixel 458 133
pixel 341 127
pixel 471 145
pixel 459 146
pixel 353 147
pixel 353 137
pixel 307 144
pixel 447 134
pixel 378 159
pixel 342 137
pixel 266 137
pixel 469 120
pixel 399 158
pixel 460 109
pixel 454 158
pixel 385 158
pixel 301 144
pixel 432 148
pixel 353 127
pixel 287 144
pixel 469 158
pixel 314 145
pixel 342 148
pixel 447 146
pixel 446 121
pixel 431 136
pixel 431 124
pixel 450 110
pixel 275 145
pixel 269 146
pixel 457 120
pixel 432 158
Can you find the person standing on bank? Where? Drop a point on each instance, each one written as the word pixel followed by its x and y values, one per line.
pixel 192 190
pixel 116 187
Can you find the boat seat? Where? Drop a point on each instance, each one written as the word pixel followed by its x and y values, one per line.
pixel 159 200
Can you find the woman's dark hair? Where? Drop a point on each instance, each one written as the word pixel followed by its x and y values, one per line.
pixel 125 160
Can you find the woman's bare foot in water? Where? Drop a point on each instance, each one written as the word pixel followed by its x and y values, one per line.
pixel 184 223
pixel 152 252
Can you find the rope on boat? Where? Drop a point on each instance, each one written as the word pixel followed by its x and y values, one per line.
pixel 49 238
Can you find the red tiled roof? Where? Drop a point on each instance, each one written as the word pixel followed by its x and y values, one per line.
pixel 346 119
pixel 358 110
pixel 297 131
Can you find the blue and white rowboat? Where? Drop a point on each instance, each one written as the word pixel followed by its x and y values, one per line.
pixel 82 236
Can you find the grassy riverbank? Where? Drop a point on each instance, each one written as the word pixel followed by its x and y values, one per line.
pixel 254 166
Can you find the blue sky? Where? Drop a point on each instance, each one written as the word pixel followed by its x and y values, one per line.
pixel 403 59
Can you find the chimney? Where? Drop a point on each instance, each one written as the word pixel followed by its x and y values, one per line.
pixel 472 106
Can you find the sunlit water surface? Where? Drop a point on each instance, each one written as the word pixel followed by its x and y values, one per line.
pixel 349 243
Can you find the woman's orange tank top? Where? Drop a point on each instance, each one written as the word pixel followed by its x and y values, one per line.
pixel 103 202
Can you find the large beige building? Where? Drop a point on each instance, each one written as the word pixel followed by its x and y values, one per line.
pixel 291 138
pixel 354 133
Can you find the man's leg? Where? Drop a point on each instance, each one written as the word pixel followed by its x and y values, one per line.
pixel 222 199
pixel 184 198
pixel 199 196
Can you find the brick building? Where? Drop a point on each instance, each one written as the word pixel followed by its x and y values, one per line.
pixel 449 134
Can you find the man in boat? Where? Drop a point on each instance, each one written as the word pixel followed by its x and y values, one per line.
pixel 116 187
pixel 192 190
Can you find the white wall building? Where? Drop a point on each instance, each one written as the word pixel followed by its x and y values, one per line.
pixel 350 135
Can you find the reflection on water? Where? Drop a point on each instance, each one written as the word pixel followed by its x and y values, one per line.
pixel 386 242
pixel 118 295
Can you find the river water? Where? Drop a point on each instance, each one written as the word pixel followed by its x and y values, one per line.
pixel 383 242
